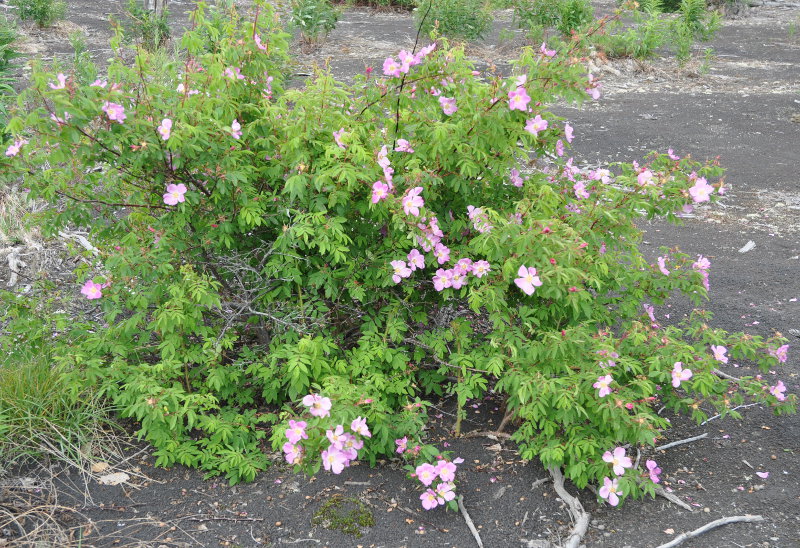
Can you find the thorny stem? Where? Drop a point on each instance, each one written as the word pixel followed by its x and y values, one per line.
pixel 460 409
pixel 403 80
pixel 86 201
pixel 506 418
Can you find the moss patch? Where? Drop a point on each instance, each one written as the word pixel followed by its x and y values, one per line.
pixel 348 515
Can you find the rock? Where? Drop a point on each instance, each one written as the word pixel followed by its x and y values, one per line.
pixel 113 479
pixel 99 466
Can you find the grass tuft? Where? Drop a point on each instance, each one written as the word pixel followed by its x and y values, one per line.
pixel 40 419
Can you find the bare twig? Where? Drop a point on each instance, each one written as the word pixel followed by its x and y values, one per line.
pixel 403 81
pixel 661 492
pixel 507 417
pixel 15 264
pixel 539 482
pixel 719 373
pixel 437 359
pixel 734 409
pixel 252 536
pixel 681 442
pixel 471 525
pixel 219 518
pixel 579 516
pixel 81 240
pixel 492 435
pixel 709 526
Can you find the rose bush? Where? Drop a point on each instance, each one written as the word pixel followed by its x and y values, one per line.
pixel 420 232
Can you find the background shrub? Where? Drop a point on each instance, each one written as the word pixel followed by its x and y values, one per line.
pixel 567 16
pixel 149 28
pixel 43 12
pixel 641 39
pixel 400 4
pixel 464 19
pixel 574 15
pixel 640 30
pixel 314 18
pixel 8 35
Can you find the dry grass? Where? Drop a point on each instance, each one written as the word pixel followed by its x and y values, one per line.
pixel 25 256
pixel 19 241
pixel 14 228
pixel 59 446
pixel 38 511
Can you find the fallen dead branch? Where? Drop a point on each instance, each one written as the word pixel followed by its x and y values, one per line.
pixel 81 240
pixel 661 492
pixel 681 442
pixel 468 519
pixel 734 409
pixel 719 373
pixel 491 434
pixel 708 527
pixel 579 516
pixel 15 264
pixel 220 518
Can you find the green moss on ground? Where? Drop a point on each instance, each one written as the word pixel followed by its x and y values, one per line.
pixel 348 515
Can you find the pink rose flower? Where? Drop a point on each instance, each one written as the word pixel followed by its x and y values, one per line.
pixel 92 290
pixel 320 406
pixel 426 473
pixel 518 99
pixel 535 125
pixel 528 281
pixel 603 385
pixel 296 431
pixel 165 129
pixel 679 374
pixel 333 460
pixel 701 191
pixel 115 112
pixel 719 353
pixel 778 391
pixel 448 105
pixel 359 426
pixel 380 191
pixel 610 491
pixel 175 194
pixel 236 129
pixel 618 460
